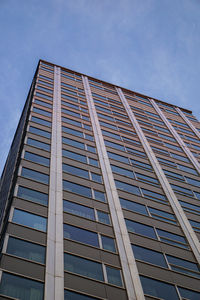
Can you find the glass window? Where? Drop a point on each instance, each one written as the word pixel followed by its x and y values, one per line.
pixel 44 96
pixel 41 121
pixel 81 235
pixel 74 155
pixel 42 112
pixel 106 117
pixel 114 276
pixel 69 97
pixel 73 143
pixel 183 266
pixel 190 207
pixel 118 157
pixel 162 215
pixel 20 287
pixel 150 256
pixel 93 162
pixel 153 195
pixel 141 164
pixel 139 228
pixel 133 206
pixel 99 196
pixel 45 83
pixel 32 195
pixel 70 121
pixel 70 105
pixel 34 221
pixel 78 209
pixel 71 113
pixel 114 145
pixel 142 177
pixel 172 238
pixel 77 188
pixel 180 157
pixel 195 225
pixel 127 187
pixel 28 173
pixel 112 135
pixel 103 217
pixel 37 158
pixel 91 148
pixel 96 177
pixel 26 250
pixel 75 171
pixel 192 181
pixel 84 267
pixel 45 77
pixel 72 131
pixel 189 294
pixel 122 171
pixel 108 243
pixel 69 295
pixel 158 289
pixel 108 125
pixel 174 175
pixel 181 190
pixel 38 144
pixel 40 132
pixel 135 152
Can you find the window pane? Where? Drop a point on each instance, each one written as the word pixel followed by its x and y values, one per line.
pixel 103 217
pixel 20 288
pixel 127 187
pixel 24 218
pixel 75 171
pixel 37 158
pixel 153 195
pixel 81 235
pixel 118 157
pixel 158 289
pixel 114 276
pixel 41 121
pixel 93 162
pixel 96 177
pixel 28 173
pixel 122 171
pixel 150 256
pixel 42 112
pixel 38 144
pixel 78 209
pixel 173 238
pixel 69 295
pixel 32 195
pixel 26 250
pixel 162 215
pixel 108 243
pixel 72 131
pixel 83 267
pixel 77 188
pixel 133 206
pixel 189 294
pixel 74 155
pixel 99 196
pixel 182 263
pixel 73 143
pixel 139 228
pixel 40 132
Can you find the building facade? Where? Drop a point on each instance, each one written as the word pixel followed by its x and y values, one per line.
pixel 99 196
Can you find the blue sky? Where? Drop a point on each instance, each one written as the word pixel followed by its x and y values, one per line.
pixel 150 46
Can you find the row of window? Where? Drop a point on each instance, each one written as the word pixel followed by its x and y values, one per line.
pixel 166 261
pixel 77 133
pixel 177 166
pixel 73 99
pixel 43 103
pixel 24 288
pixel 182 178
pixel 156 233
pixel 125 149
pixel 76 123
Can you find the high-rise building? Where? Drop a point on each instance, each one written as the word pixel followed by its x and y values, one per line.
pixel 100 195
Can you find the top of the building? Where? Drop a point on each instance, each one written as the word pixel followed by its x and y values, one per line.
pixel 114 85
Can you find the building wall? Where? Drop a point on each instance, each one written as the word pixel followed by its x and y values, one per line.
pixel 120 201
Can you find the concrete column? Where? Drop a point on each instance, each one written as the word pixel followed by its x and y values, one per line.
pixel 54 276
pixel 129 268
pixel 188 122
